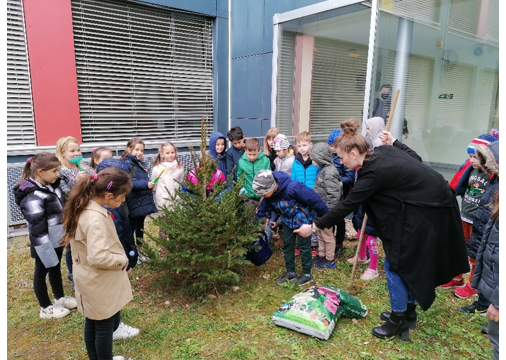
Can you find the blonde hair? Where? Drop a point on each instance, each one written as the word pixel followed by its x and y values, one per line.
pixel 158 159
pixel 252 144
pixel 303 136
pixel 270 134
pixel 61 146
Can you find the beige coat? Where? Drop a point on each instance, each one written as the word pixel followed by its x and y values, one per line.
pixel 99 261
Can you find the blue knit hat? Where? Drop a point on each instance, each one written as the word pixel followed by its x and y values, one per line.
pixel 484 139
pixel 333 136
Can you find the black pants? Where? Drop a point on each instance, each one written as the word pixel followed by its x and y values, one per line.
pixel 340 232
pixel 98 337
pixel 39 280
pixel 68 260
pixel 137 226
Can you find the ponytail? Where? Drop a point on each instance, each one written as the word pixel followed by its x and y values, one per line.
pixel 110 180
pixel 42 161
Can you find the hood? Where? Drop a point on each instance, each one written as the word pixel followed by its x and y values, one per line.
pixel 22 189
pixel 283 179
pixel 112 162
pixel 303 162
pixel 376 126
pixel 321 154
pixel 489 157
pixel 212 144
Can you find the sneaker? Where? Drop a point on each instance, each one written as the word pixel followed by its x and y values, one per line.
pixel 124 331
pixel 119 357
pixel 465 292
pixel 297 251
pixel 360 260
pixel 452 284
pixel 302 279
pixel 314 250
pixel 53 312
pixel 142 258
pixel 339 250
pixel 289 276
pixel 66 302
pixel 474 308
pixel 369 274
pixel 318 259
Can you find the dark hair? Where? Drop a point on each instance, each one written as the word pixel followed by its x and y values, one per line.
pixel 495 206
pixel 110 180
pixel 42 161
pixel 158 158
pixel 388 86
pixel 350 139
pixel 130 145
pixel 252 144
pixel 95 155
pixel 235 133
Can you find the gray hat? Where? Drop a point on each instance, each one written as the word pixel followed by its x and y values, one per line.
pixel 280 142
pixel 263 182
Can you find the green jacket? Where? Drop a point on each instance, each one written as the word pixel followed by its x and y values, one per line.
pixel 245 166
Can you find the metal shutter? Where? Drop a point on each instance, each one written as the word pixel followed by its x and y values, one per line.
pixel 463 17
pixel 20 123
pixel 421 11
pixel 487 103
pixel 492 32
pixel 338 85
pixel 286 60
pixel 142 71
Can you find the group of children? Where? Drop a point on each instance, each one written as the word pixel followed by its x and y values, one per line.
pixel 99 212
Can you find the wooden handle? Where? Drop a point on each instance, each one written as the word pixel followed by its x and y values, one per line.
pixel 392 110
pixel 360 241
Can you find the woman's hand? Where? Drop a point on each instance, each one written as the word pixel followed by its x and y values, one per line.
pixel 304 231
pixel 387 138
pixel 492 312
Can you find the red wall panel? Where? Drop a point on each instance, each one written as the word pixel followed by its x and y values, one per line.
pixel 50 41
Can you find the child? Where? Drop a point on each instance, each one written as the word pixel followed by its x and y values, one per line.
pixel 284 153
pixel 374 130
pixel 102 284
pixel 329 187
pixel 41 201
pixel 486 276
pixel 217 145
pixel 488 158
pixel 305 172
pixel 471 186
pixel 296 204
pixel 121 330
pixel 99 154
pixel 140 201
pixel 234 153
pixel 68 148
pixel 170 173
pixel 348 179
pixel 250 163
pixel 268 143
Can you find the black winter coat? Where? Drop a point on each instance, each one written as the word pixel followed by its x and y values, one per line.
pixel 358 219
pixel 140 201
pixel 125 235
pixel 415 214
pixel 42 210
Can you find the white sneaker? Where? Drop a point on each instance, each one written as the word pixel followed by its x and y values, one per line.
pixel 124 331
pixel 66 302
pixel 53 312
pixel 119 357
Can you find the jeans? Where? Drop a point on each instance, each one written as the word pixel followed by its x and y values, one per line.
pixel 98 337
pixel 304 244
pixel 399 293
pixel 39 280
pixel 68 260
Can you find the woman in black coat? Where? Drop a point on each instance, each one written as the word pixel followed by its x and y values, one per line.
pixel 415 214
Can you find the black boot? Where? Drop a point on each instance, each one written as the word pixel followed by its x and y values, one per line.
pixel 410 315
pixel 395 325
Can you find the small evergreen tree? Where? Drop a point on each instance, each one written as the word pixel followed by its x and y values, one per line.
pixel 205 236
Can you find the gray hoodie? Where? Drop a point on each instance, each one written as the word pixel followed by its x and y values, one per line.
pixel 328 184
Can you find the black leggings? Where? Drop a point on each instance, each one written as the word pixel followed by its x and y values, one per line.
pixel 340 232
pixel 137 225
pixel 98 337
pixel 39 280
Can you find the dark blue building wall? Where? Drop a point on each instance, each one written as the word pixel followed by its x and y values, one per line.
pixel 251 53
pixel 219 10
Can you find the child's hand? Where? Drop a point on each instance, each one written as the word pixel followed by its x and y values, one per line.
pixel 80 176
pixel 493 313
pixel 129 271
pixel 151 185
pixel 274 225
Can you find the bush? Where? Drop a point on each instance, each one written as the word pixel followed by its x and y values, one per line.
pixel 205 236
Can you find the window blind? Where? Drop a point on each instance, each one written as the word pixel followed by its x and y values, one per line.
pixel 20 122
pixel 142 71
pixel 286 63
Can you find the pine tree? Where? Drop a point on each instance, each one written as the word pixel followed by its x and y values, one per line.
pixel 205 236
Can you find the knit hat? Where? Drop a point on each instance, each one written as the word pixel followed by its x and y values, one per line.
pixel 495 132
pixel 263 182
pixel 484 139
pixel 280 142
pixel 333 136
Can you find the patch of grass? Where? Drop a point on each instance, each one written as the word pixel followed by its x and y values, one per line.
pixel 237 325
